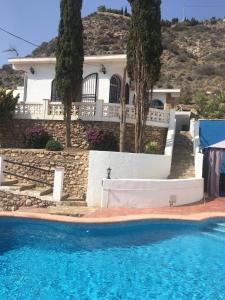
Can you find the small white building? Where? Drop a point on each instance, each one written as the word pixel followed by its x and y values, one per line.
pixel 102 81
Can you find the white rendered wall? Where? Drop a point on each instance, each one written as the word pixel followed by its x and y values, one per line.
pixel 123 165
pixel 198 156
pixel 156 96
pixel 39 84
pixel 151 193
pixel 128 166
pixel 19 91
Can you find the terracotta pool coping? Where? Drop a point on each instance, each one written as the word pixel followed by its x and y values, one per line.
pixel 115 219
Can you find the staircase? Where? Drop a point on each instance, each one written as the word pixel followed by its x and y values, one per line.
pixel 183 159
pixel 41 193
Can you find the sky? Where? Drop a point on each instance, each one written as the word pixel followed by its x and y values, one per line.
pixel 37 20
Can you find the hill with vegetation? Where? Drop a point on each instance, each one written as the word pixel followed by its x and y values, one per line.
pixel 193 57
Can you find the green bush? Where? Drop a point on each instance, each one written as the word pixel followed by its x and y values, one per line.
pixel 36 138
pixel 7 103
pixel 211 106
pixel 53 145
pixel 151 148
pixel 102 140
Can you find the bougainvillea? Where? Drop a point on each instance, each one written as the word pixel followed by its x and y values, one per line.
pixel 36 137
pixel 101 140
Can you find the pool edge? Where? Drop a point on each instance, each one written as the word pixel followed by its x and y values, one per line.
pixel 110 220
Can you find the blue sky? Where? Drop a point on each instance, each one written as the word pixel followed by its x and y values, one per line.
pixel 37 20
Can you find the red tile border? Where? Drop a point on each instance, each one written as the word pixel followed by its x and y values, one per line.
pixel 213 209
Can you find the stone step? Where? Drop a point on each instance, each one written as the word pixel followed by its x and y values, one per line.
pixel 25 187
pixel 73 198
pixel 72 203
pixel 71 211
pixel 183 160
pixel 9 182
pixel 46 191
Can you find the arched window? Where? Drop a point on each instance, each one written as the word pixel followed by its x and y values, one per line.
pixel 89 88
pixel 115 89
pixel 156 103
pixel 54 94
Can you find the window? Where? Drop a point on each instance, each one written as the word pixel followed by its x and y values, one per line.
pixel 115 89
pixel 54 94
pixel 89 88
pixel 156 103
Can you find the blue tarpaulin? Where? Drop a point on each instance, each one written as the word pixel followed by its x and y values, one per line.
pixel 212 132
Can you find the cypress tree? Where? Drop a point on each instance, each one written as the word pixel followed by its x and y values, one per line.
pixel 69 58
pixel 144 50
pixel 125 12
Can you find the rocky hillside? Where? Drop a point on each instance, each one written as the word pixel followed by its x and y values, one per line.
pixel 193 57
pixel 10 78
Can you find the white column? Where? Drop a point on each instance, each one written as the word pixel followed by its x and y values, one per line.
pixel 99 110
pixel 58 184
pixel 2 168
pixel 45 103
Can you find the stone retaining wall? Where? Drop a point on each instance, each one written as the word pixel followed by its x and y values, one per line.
pixel 11 133
pixel 12 202
pixel 75 164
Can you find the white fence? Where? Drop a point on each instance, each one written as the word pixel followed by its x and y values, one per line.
pixel 96 111
pixel 133 193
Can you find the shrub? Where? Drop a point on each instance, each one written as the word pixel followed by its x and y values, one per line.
pixel 53 145
pixel 151 148
pixel 211 106
pixel 7 103
pixel 36 138
pixel 102 140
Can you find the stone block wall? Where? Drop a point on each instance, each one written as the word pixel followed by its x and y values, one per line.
pixel 12 202
pixel 74 162
pixel 11 133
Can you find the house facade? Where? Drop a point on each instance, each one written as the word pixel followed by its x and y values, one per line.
pixel 102 80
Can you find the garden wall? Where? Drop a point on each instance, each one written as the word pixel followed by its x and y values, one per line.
pixel 75 164
pixel 12 202
pixel 123 165
pixel 11 133
pixel 133 193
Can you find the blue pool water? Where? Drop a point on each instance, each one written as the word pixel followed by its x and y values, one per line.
pixel 148 260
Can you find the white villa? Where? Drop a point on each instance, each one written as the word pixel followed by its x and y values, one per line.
pixel 138 180
pixel 102 82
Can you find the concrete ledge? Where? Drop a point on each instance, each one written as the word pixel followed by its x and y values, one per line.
pixel 111 220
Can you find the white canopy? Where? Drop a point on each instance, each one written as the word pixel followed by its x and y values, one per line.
pixel 220 145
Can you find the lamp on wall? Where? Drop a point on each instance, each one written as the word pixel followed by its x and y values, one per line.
pixel 103 69
pixel 109 170
pixel 32 70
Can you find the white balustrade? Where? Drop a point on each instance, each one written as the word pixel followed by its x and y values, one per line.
pixel 88 111
pixel 28 110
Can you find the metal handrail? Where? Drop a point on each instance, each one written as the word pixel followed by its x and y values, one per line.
pixel 27 166
pixel 27 178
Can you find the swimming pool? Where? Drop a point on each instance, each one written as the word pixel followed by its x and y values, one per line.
pixel 145 260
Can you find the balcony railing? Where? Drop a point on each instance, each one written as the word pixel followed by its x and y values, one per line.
pixel 88 111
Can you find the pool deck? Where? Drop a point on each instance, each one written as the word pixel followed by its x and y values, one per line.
pixel 198 212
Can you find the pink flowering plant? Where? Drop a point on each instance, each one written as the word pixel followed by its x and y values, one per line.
pixel 94 138
pixel 36 138
pixel 101 140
